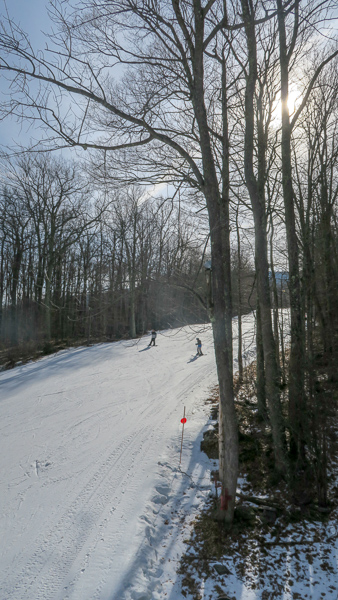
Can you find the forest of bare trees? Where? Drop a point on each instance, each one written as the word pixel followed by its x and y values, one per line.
pixel 232 104
pixel 78 265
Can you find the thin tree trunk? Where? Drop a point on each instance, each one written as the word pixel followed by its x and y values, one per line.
pixel 18 253
pixel 239 310
pixel 260 371
pixel 274 294
pixel 297 411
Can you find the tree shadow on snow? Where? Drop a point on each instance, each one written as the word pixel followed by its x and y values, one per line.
pixel 145 560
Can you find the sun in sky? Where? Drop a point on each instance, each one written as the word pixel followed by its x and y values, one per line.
pixel 294 100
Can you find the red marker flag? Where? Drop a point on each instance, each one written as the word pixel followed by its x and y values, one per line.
pixel 184 420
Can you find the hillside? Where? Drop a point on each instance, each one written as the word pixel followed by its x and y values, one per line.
pixel 91 483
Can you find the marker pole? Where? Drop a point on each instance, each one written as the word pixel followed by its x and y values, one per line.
pixel 184 420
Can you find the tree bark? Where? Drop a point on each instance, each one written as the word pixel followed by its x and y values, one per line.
pixel 260 371
pixel 239 310
pixel 219 226
pixel 256 194
pixel 297 410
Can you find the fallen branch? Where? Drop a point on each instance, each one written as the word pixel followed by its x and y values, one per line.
pixel 260 502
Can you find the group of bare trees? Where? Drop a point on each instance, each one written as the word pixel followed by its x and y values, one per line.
pixel 195 94
pixel 78 264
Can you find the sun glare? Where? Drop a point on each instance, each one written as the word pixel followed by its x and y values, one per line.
pixel 294 100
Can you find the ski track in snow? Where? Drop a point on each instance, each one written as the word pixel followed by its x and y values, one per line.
pixel 93 499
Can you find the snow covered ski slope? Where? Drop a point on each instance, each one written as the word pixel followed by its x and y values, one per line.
pixel 92 492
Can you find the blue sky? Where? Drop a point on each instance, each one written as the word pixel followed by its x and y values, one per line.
pixel 32 16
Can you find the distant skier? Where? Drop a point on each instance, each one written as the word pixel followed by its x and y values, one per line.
pixel 199 347
pixel 153 337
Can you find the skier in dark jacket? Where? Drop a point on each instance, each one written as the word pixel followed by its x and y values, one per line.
pixel 199 347
pixel 153 337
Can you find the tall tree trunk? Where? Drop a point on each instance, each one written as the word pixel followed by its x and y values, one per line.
pixel 18 253
pixel 274 294
pixel 218 212
pixel 325 232
pixel 259 213
pixel 48 282
pixel 239 310
pixel 260 371
pixel 297 412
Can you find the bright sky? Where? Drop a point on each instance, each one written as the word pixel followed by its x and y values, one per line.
pixel 32 16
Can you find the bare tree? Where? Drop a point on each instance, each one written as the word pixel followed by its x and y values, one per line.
pixel 287 49
pixel 168 120
pixel 15 221
pixel 55 203
pixel 256 188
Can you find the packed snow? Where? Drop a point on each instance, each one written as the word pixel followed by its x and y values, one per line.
pixel 93 495
pixel 95 504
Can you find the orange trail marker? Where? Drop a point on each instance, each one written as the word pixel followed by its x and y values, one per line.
pixel 184 420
